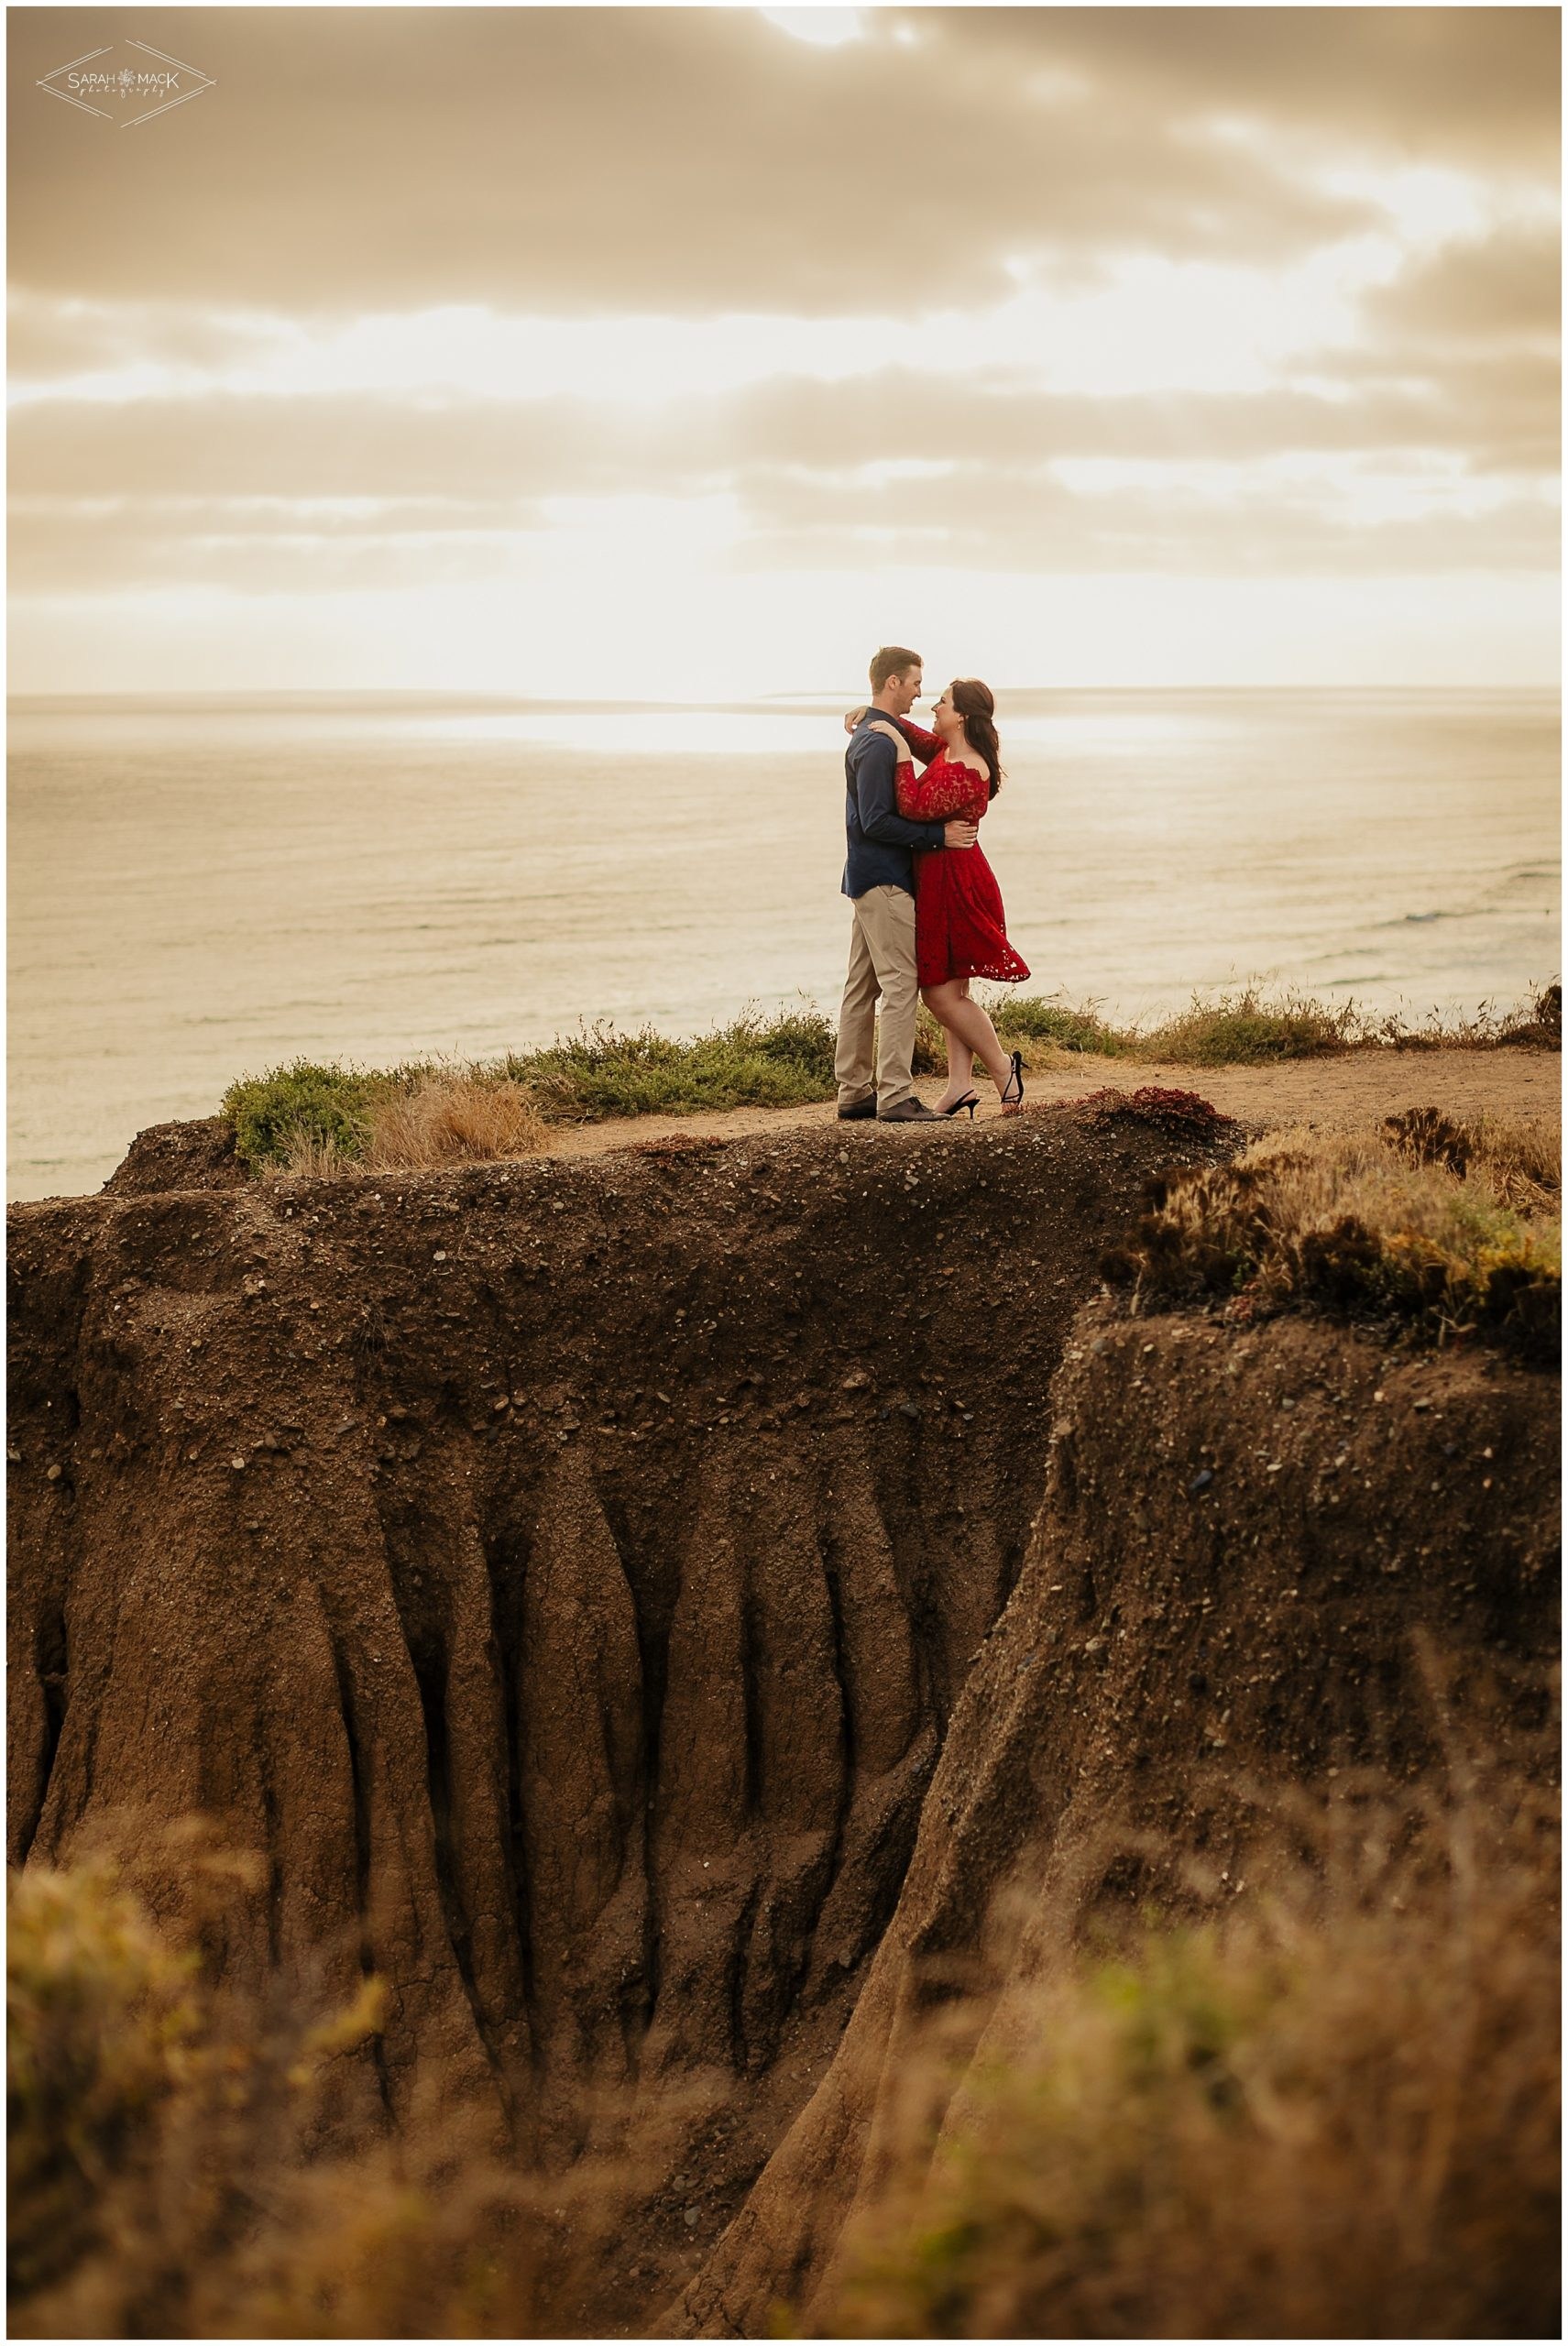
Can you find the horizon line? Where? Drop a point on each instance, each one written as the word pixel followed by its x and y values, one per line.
pixel 556 701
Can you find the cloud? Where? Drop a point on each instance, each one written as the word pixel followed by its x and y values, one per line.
pixel 1469 87
pixel 421 300
pixel 1492 411
pixel 996 520
pixel 1499 409
pixel 1504 287
pixel 670 160
pixel 1329 514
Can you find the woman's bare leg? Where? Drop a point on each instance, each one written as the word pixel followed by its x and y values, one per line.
pixel 960 1062
pixel 968 1022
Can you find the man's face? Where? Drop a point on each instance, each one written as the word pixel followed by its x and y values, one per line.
pixel 905 691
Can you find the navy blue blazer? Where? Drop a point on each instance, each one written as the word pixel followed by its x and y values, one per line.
pixel 881 843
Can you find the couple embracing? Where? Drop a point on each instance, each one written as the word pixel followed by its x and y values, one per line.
pixel 928 912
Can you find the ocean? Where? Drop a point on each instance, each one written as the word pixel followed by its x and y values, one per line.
pixel 205 887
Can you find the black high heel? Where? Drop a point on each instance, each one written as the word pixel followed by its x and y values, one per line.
pixel 1011 1099
pixel 969 1101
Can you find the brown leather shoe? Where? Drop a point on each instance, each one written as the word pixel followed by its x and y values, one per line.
pixel 858 1109
pixel 908 1111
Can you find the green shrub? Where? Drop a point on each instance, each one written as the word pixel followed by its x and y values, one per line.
pixel 1248 1029
pixel 1030 1018
pixel 325 1106
pixel 751 1062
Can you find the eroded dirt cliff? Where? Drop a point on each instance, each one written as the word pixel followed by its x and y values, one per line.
pixel 563 1574
pixel 1264 1559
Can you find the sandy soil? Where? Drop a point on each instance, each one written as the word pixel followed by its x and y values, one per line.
pixel 1325 1091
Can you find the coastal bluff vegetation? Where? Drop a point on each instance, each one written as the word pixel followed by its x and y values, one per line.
pixel 831 1731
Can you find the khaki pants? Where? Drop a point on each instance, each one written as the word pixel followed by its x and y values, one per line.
pixel 882 963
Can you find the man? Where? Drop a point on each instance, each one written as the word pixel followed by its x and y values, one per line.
pixel 879 879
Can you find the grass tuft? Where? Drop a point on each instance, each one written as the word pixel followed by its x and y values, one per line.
pixel 751 1062
pixel 930 1046
pixel 307 1105
pixel 1248 1029
pixel 1030 1018
pixel 311 1118
pixel 452 1120
pixel 1325 2109
pixel 1454 1227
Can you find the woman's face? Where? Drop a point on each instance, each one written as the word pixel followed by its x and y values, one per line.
pixel 945 717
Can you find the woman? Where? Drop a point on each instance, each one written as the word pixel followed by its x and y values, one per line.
pixel 959 929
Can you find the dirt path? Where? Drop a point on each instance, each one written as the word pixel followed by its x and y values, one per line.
pixel 1323 1092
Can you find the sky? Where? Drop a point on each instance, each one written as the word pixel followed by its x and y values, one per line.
pixel 685 353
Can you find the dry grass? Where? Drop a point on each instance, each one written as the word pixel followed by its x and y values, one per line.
pixel 1251 1027
pixel 1314 1176
pixel 444 1117
pixel 166 2172
pixel 315 1159
pixel 1328 2111
pixel 1518 1159
pixel 1453 1225
pixel 453 1119
pixel 1316 2102
pixel 309 1117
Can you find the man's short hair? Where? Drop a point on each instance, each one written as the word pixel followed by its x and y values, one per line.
pixel 892 661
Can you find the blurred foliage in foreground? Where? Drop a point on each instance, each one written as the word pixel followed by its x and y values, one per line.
pixel 176 2167
pixel 1329 2109
pixel 1313 2095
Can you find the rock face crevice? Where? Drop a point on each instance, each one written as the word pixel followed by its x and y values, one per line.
pixel 1255 1550
pixel 561 1575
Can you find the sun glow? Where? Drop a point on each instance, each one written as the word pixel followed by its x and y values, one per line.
pixel 1151 325
pixel 554 626
pixel 1272 358
pixel 823 27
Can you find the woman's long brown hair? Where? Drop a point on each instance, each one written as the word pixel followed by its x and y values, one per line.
pixel 974 704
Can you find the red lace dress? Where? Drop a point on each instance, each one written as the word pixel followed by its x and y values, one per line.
pixel 960 930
